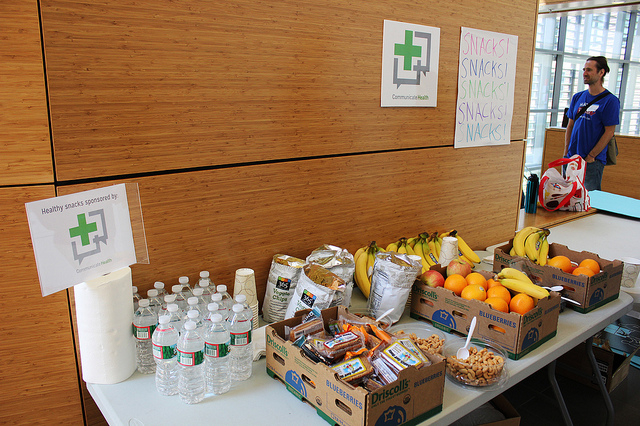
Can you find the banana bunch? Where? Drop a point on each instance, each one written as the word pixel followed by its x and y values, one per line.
pixel 464 251
pixel 364 259
pixel 532 242
pixel 519 282
pixel 419 246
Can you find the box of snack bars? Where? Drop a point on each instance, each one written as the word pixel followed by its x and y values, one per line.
pixel 589 292
pixel 517 334
pixel 350 383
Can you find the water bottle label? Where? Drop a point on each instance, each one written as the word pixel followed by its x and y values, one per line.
pixel 241 339
pixel 164 352
pixel 216 350
pixel 143 333
pixel 190 359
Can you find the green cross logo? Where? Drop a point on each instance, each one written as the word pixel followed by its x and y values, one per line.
pixel 408 50
pixel 83 229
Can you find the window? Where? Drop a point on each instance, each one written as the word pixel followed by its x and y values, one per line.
pixel 563 43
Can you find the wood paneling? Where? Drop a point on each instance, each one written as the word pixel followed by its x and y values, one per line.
pixel 38 369
pixel 146 86
pixel 25 149
pixel 622 179
pixel 225 219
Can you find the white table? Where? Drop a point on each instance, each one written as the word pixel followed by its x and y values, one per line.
pixel 263 400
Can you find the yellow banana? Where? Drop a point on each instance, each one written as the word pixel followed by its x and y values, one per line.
pixel 432 252
pixel 520 237
pixel 392 247
pixel 543 252
pixel 531 245
pixel 358 253
pixel 361 277
pixel 410 250
pixel 402 248
pixel 412 241
pixel 426 252
pixel 514 274
pixel 524 287
pixel 466 250
pixel 371 259
pixel 418 248
pixel 512 252
pixel 465 259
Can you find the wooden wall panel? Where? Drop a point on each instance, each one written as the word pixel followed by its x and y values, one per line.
pixel 25 149
pixel 38 369
pixel 146 86
pixel 222 220
pixel 622 179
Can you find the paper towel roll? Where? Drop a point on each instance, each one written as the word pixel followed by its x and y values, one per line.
pixel 104 313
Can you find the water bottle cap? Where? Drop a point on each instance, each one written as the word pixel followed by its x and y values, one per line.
pixel 189 325
pixel 164 319
pixel 183 280
pixel 192 300
pixel 202 285
pixel 134 289
pixel 198 291
pixel 143 303
pixel 237 308
pixel 176 288
pixel 172 307
pixel 152 293
pixel 204 274
pixel 216 318
pixel 221 288
pixel 216 297
pixel 193 314
pixel 169 298
pixel 159 285
pixel 241 298
pixel 213 306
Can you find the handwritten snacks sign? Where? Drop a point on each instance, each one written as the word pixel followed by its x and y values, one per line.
pixel 410 56
pixel 486 79
pixel 79 237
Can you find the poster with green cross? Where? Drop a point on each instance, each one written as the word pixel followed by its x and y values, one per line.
pixel 81 236
pixel 410 56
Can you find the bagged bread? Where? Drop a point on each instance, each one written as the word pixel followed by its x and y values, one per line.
pixel 281 283
pixel 316 288
pixel 340 262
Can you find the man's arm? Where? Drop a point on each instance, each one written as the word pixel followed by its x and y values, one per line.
pixel 604 140
pixel 567 137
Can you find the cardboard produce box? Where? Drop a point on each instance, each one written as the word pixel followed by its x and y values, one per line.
pixel 416 395
pixel 517 334
pixel 590 292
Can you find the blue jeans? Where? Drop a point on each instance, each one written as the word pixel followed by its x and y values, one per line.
pixel 593 175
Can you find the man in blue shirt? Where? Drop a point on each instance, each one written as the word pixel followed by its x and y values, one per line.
pixel 589 135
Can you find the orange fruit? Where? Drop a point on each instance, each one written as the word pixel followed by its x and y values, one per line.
pixel 498 304
pixel 474 291
pixel 521 303
pixel 492 283
pixel 583 270
pixel 591 264
pixel 455 283
pixel 562 262
pixel 499 291
pixel 476 278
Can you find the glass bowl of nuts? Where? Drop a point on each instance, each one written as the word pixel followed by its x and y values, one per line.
pixel 428 338
pixel 485 367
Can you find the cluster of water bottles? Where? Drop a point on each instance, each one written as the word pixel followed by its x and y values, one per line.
pixel 197 340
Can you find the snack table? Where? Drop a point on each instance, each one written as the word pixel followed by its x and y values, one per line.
pixel 263 400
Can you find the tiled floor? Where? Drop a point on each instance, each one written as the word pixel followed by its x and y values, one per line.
pixel 534 400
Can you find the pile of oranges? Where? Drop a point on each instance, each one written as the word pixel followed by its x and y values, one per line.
pixel 476 286
pixel 588 267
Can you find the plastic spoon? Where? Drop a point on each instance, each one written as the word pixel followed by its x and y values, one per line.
pixel 560 288
pixel 384 315
pixel 463 352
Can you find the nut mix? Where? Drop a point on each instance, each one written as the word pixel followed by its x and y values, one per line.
pixel 433 344
pixel 482 368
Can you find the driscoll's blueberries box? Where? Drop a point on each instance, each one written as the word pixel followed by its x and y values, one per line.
pixel 416 395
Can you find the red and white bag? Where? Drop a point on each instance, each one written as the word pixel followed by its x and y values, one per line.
pixel 568 192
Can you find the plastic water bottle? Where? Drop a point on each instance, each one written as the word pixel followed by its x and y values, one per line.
pixel 175 315
pixel 181 301
pixel 214 308
pixel 159 285
pixel 202 305
pixel 144 323
pixel 222 307
pixel 241 346
pixel 192 304
pixel 206 283
pixel 136 297
pixel 186 287
pixel 155 302
pixel 242 299
pixel 194 315
pixel 191 381
pixel 166 300
pixel 226 298
pixel 216 351
pixel 165 352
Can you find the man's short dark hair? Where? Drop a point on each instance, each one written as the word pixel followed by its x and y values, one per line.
pixel 601 63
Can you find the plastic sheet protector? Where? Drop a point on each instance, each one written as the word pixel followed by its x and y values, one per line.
pixel 615 203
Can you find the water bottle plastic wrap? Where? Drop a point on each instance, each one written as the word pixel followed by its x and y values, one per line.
pixel 281 283
pixel 316 288
pixel 340 262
